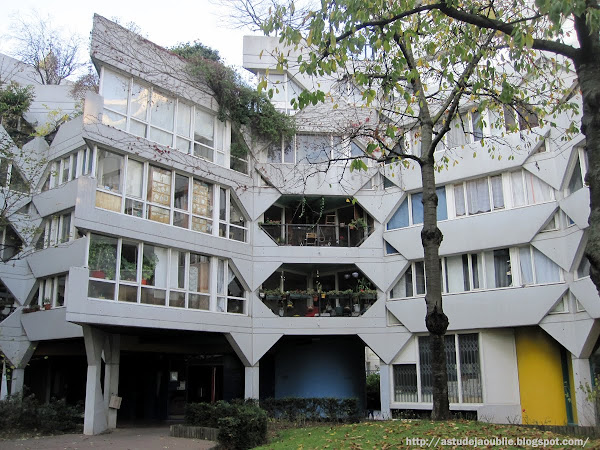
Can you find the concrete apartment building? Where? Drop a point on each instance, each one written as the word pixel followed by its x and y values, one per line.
pixel 163 257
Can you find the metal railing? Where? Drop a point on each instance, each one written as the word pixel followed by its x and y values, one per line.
pixel 317 235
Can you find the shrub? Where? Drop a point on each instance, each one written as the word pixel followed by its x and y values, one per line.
pixel 241 424
pixel 373 394
pixel 28 414
pixel 313 409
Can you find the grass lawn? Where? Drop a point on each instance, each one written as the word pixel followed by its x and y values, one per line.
pixel 402 434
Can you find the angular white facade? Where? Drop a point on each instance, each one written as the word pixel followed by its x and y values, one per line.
pixel 165 252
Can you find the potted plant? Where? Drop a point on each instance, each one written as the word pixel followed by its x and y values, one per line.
pixel 148 267
pixel 31 308
pixel 47 303
pixel 359 222
pixel 102 260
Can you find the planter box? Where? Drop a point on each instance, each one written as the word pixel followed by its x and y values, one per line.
pixel 188 431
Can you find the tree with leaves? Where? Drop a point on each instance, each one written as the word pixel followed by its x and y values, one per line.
pixel 420 73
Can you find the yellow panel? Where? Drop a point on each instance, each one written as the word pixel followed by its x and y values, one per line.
pixel 108 201
pixel 540 377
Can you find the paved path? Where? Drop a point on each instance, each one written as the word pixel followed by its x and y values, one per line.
pixel 156 438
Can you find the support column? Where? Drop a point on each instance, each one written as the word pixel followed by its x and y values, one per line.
pixel 251 382
pixel 16 383
pixel 112 357
pixel 582 378
pixel 385 390
pixel 4 384
pixel 95 420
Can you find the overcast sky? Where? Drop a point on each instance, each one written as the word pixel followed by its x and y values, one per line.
pixel 165 23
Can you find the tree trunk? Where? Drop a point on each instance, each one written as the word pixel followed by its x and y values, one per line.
pixel 588 72
pixel 435 319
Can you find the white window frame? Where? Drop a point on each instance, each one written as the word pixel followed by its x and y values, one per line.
pixel 221 130
pixel 171 253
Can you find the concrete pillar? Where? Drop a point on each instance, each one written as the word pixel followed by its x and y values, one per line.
pixel 95 420
pixel 385 389
pixel 112 357
pixel 582 380
pixel 4 384
pixel 251 382
pixel 16 383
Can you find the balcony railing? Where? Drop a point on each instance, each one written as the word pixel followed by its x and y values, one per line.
pixel 319 305
pixel 341 235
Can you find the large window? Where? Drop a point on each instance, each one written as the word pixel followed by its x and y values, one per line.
pixel 145 111
pixel 410 212
pixel 537 268
pixel 137 272
pixel 478 196
pixel 527 189
pixel 55 230
pixel 52 291
pixel 68 167
pixel 463 366
pixel 484 270
pixel 162 195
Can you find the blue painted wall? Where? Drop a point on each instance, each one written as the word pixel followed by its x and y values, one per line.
pixel 326 366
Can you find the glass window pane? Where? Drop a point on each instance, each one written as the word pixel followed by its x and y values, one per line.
pixel 400 217
pixel 110 169
pixel 139 101
pixel 405 383
pixel 60 290
pixel 202 199
pixel 417 208
pixel 204 124
pixel 181 192
pixel 288 152
pixel 183 145
pixel 199 273
pixel 65 230
pixel 237 234
pixel 162 111
pixel 313 148
pixel 101 290
pixel 102 259
pixel 159 186
pixel 129 261
pixel 576 182
pixel 197 301
pixel 177 299
pixel 221 277
pixel 537 190
pixel 420 277
pixel 222 204
pixel 134 208
pixel 113 119
pixel 274 153
pixel 546 270
pixel 478 196
pixel 154 266
pixel 235 306
pixel 153 296
pixel 177 273
pixel 502 268
pixel 442 208
pixel 470 370
pixel 158 214
pixel 66 168
pixel 162 137
pixel 459 199
pixel 202 225
pixel 135 178
pixel 137 128
pixel 497 194
pixel 114 90
pixel 516 179
pixel 235 214
pixel 525 263
pixel 455 281
pixel 181 220
pixel 128 293
pixel 184 119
